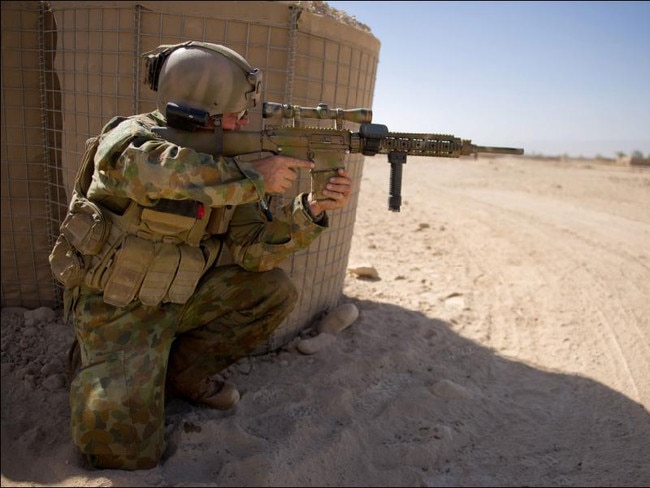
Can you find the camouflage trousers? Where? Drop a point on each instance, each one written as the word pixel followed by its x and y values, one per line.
pixel 117 399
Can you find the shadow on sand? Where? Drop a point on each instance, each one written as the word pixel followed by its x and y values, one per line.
pixel 398 400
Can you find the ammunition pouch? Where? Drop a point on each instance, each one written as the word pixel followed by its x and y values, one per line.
pixel 85 226
pixel 159 256
pixel 67 264
pixel 154 254
pixel 82 237
pixel 156 272
pixel 83 231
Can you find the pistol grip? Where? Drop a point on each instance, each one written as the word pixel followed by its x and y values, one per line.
pixel 319 180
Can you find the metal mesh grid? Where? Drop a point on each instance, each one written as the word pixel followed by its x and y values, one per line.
pixel 97 58
pixel 28 143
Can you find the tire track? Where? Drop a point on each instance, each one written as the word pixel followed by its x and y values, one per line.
pixel 541 263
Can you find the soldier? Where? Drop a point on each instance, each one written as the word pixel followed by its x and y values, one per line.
pixel 155 311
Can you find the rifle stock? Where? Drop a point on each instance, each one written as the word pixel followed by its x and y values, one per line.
pixel 328 146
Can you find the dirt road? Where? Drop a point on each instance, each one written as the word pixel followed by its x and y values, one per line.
pixel 549 262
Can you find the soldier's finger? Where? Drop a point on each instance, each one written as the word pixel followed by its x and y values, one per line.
pixel 335 180
pixel 334 193
pixel 299 163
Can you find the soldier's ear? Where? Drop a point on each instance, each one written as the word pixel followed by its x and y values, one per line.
pixel 153 64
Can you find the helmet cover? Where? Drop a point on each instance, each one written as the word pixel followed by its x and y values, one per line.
pixel 203 76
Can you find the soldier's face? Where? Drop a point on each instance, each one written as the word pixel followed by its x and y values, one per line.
pixel 234 120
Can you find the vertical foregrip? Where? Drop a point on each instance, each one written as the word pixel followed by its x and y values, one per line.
pixel 396 159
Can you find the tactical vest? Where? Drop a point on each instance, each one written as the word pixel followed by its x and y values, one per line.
pixel 154 254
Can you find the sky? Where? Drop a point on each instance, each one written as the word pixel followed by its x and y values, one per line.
pixel 555 78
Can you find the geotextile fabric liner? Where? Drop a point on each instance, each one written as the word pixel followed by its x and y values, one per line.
pixel 68 67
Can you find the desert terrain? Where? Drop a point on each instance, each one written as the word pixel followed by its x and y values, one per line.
pixel 503 339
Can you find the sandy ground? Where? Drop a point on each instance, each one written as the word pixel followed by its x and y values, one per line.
pixel 504 342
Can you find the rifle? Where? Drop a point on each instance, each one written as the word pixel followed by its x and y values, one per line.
pixel 326 147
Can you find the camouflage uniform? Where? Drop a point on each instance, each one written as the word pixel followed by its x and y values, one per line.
pixel 117 398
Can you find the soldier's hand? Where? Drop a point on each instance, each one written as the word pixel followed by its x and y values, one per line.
pixel 337 191
pixel 279 172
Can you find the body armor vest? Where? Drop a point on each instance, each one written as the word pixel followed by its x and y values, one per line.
pixel 154 254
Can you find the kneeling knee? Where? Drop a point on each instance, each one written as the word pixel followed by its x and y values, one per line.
pixel 282 285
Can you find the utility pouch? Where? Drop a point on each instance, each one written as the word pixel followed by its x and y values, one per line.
pixel 129 269
pixel 190 270
pixel 183 220
pixel 101 264
pixel 67 264
pixel 85 227
pixel 160 274
pixel 166 223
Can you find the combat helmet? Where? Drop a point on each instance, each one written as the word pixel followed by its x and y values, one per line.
pixel 202 76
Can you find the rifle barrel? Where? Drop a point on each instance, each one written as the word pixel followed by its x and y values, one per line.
pixel 498 150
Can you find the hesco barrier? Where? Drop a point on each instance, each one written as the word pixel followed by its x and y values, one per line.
pixel 68 67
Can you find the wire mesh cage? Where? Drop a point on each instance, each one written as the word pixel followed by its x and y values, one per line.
pixel 68 67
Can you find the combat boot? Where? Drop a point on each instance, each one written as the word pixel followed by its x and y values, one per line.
pixel 208 392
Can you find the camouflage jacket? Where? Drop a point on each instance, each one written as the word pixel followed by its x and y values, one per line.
pixel 134 164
